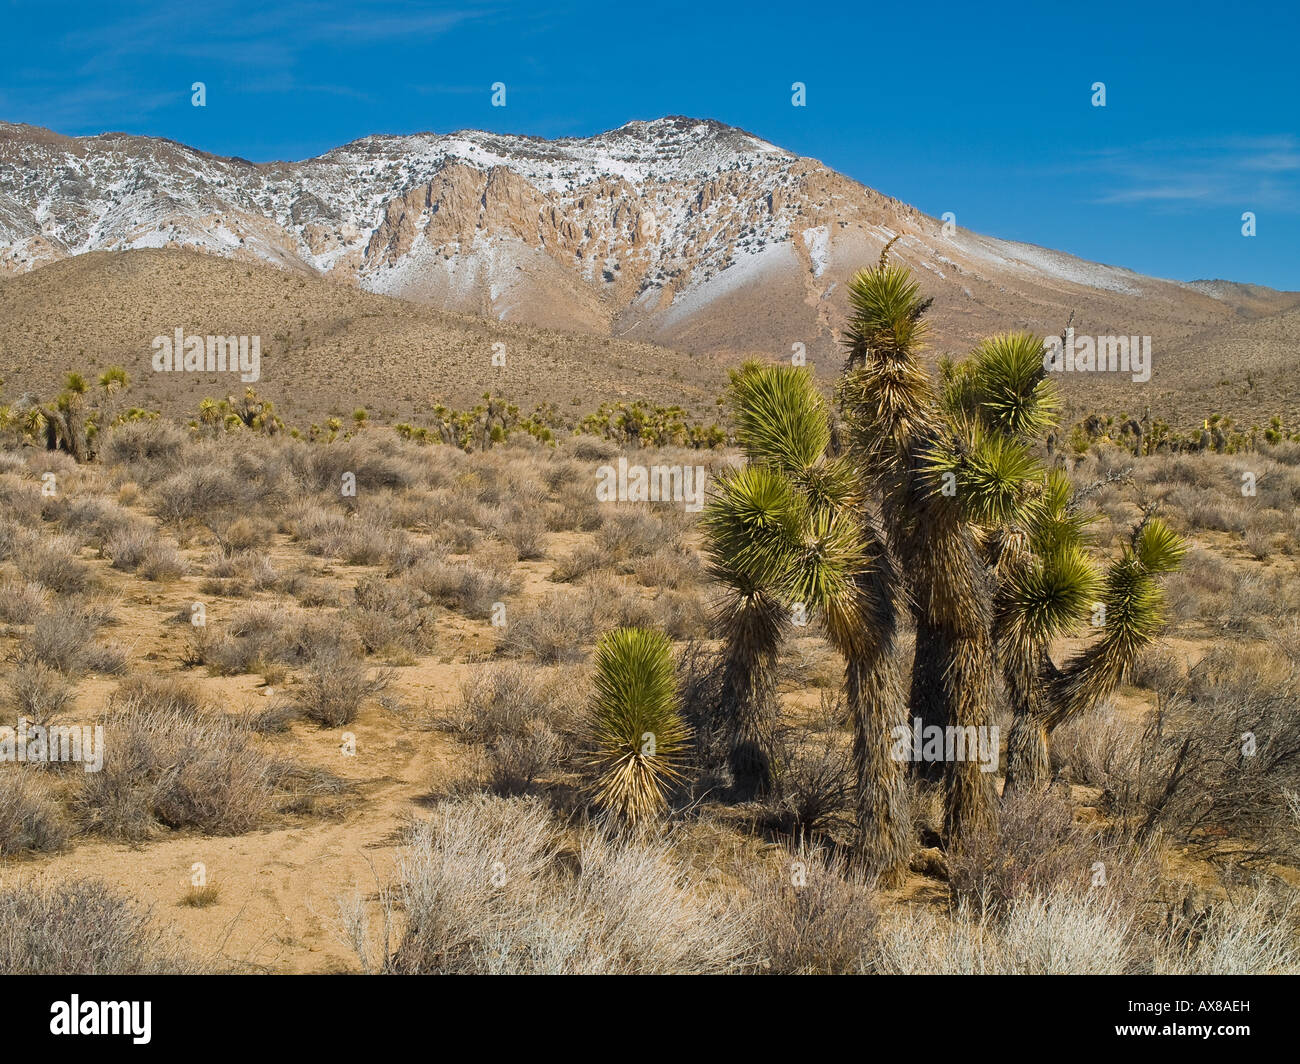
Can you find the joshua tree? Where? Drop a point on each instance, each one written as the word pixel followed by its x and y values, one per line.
pixel 638 736
pixel 894 423
pixel 989 548
pixel 790 530
pixel 991 545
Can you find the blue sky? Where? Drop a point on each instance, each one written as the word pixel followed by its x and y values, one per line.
pixel 980 109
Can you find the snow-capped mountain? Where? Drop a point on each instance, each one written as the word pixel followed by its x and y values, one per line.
pixel 683 231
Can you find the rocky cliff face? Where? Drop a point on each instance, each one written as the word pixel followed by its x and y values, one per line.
pixel 682 231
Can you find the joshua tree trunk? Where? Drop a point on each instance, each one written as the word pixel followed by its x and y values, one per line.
pixel 949 588
pixel 1028 763
pixel 1028 760
pixel 875 695
pixel 927 699
pixel 970 797
pixel 754 623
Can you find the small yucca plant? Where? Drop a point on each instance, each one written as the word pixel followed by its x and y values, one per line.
pixel 638 736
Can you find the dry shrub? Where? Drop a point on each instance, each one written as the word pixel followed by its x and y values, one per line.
pixel 162 561
pixel 39 692
pixel 811 915
pixel 127 546
pixel 64 639
pixel 200 490
pixel 238 572
pixel 462 586
pixel 523 528
pixel 669 567
pixel 391 616
pixel 493 886
pixel 554 630
pixel 630 534
pixel 168 767
pixel 52 562
pixel 583 559
pixel 21 601
pixel 1038 851
pixel 334 687
pixel 159 690
pixel 246 533
pixel 1097 748
pixel 1058 934
pixel 155 443
pixel 82 927
pixel 812 787
pixel 1254 931
pixel 1218 764
pixel 31 821
pixel 520 718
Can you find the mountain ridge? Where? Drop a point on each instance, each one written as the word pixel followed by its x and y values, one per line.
pixel 677 231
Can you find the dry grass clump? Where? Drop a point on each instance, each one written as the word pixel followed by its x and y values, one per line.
pixel 82 927
pixel 523 527
pixel 168 767
pixel 670 567
pixel 21 601
pixel 38 692
pixel 391 617
pixel 144 447
pixel 1253 931
pixel 465 587
pixel 198 491
pixel 64 638
pixel 31 820
pixel 1097 748
pixel 630 534
pixel 138 548
pixel 328 531
pixel 333 688
pixel 495 886
pixel 524 720
pixel 1039 851
pixel 554 630
pixel 810 914
pixel 233 573
pixel 583 559
pixel 1057 934
pixel 52 562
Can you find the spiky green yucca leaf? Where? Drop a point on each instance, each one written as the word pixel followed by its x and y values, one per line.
pixel 886 312
pixel 1134 615
pixel 823 573
pixel 638 736
pixel 1048 596
pixel 1006 386
pixel 751 523
pixel 780 416
pixel 1050 518
pixel 988 473
pixel 1158 547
